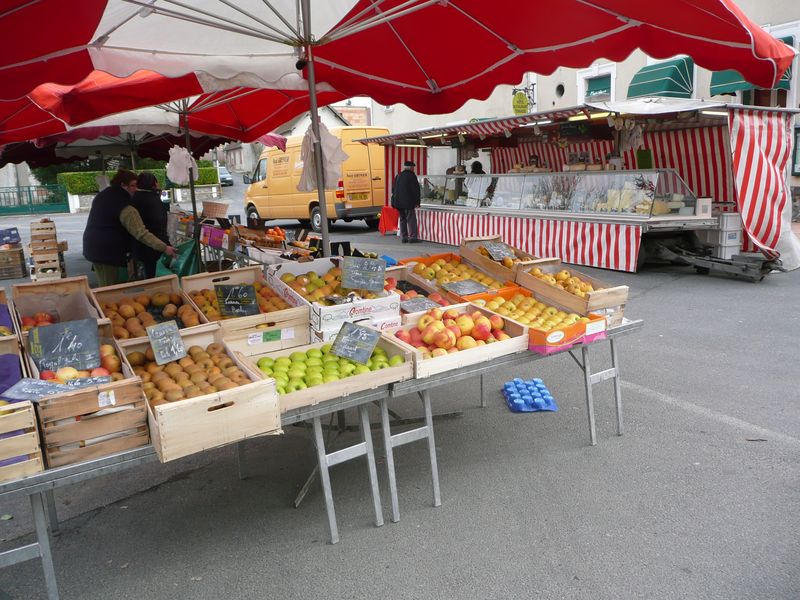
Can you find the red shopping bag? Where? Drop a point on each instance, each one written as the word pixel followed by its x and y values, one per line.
pixel 389 220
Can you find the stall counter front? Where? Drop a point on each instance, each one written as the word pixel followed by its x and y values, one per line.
pixel 595 219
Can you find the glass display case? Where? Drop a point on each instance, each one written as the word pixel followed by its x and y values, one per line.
pixel 643 194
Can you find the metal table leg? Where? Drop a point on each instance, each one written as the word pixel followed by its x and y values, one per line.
pixel 52 512
pixel 388 448
pixel 366 435
pixel 483 391
pixel 43 539
pixel 426 401
pixel 322 460
pixel 587 377
pixel 617 390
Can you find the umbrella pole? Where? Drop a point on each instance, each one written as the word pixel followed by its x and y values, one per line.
pixel 312 94
pixel 196 229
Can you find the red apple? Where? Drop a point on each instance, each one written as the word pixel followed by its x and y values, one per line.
pixel 416 335
pixel 66 373
pixel 111 363
pixel 501 335
pixel 476 314
pixel 44 316
pixel 391 283
pixel 100 372
pixel 452 350
pixel 403 297
pixel 28 322
pixel 424 321
pixel 412 293
pixel 445 339
pixel 450 313
pixel 403 336
pixel 497 322
pixel 480 342
pixel 465 342
pixel 455 329
pixel 438 352
pixel 47 375
pixel 431 330
pixel 107 349
pixel 83 374
pixel 482 329
pixel 436 313
pixel 448 322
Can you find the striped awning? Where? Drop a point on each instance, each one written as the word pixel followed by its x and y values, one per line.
pixel 730 81
pixel 668 79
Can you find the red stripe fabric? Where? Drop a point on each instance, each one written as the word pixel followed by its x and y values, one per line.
pixel 761 147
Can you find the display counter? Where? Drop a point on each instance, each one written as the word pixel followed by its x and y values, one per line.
pixel 593 218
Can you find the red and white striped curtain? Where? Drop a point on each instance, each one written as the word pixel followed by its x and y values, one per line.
pixel 395 157
pixel 761 145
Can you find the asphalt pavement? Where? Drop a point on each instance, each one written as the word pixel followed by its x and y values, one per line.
pixel 698 500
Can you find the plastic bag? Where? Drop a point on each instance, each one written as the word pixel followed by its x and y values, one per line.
pixel 187 262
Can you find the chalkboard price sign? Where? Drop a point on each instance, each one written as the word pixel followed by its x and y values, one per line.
pixel 68 344
pixel 33 389
pixel 498 250
pixel 418 304
pixel 363 273
pixel 166 342
pixel 355 342
pixel 237 300
pixel 465 288
pixel 82 382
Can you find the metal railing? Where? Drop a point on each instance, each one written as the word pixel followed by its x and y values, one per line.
pixel 33 199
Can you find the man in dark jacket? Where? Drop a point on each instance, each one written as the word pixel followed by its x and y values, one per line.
pixel 406 198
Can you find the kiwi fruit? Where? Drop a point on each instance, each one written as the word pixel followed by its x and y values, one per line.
pixel 157 402
pixel 202 355
pixel 181 376
pixel 225 363
pixel 153 368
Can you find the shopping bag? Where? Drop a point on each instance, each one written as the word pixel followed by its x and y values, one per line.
pixel 186 262
pixel 389 219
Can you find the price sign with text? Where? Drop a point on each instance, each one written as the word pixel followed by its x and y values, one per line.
pixel 33 389
pixel 69 344
pixel 418 304
pixel 166 342
pixel 237 300
pixel 355 342
pixel 498 250
pixel 363 273
pixel 465 288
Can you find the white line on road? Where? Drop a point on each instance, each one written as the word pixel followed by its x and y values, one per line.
pixel 755 430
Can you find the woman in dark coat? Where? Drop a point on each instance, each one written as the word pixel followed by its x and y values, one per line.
pixel 112 226
pixel 147 200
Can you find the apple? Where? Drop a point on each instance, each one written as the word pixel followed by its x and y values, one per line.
pixel 361 369
pixel 403 297
pixel 66 373
pixel 465 342
pixel 28 322
pixel 431 330
pixel 111 363
pixel 391 283
pixel 450 313
pixel 426 354
pixel 40 317
pixel 295 384
pixel 397 359
pixel 482 329
pixel 476 314
pixel 501 335
pixel 491 339
pixel 444 339
pixel 99 372
pixel 47 375
pixel 106 350
pixel 480 342
pixel 465 324
pixel 439 352
pixel 455 329
pixel 83 374
pixel 436 313
pixel 497 322
pixel 479 302
pixel 416 335
pixel 435 297
pixel 43 323
pixel 424 321
pixel 265 362
pixel 403 336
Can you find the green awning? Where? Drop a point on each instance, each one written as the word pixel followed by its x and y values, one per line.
pixel 598 85
pixel 668 79
pixel 730 81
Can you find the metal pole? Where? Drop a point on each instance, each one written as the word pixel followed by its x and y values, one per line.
pixel 305 6
pixel 188 144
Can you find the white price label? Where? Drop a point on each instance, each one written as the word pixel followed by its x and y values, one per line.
pixel 106 399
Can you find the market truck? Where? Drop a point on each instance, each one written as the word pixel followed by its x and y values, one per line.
pixel 359 194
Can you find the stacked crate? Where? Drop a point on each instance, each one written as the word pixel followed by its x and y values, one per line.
pixel 12 257
pixel 47 254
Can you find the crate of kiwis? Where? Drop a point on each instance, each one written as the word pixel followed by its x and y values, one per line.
pixel 133 307
pixel 206 399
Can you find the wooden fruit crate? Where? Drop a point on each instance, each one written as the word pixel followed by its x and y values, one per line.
pixel 246 275
pixel 268 332
pixel 192 425
pixel 433 284
pixel 12 264
pixel 19 440
pixel 469 252
pixel 167 284
pixel 605 299
pixel 74 426
pixel 518 342
pixel 335 389
pixel 23 294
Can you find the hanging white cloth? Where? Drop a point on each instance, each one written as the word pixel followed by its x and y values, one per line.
pixel 332 155
pixel 180 161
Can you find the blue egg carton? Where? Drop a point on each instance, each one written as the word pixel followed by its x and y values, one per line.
pixel 528 396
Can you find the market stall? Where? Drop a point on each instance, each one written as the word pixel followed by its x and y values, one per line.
pixel 608 175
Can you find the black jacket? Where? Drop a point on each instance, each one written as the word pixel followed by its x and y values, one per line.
pixel 105 240
pixel 405 191
pixel 154 216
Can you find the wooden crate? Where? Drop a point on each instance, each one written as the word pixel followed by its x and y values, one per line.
pixel 270 331
pixel 469 251
pixel 343 387
pixel 431 366
pixel 19 440
pixel 189 426
pixel 167 284
pixel 246 275
pixel 71 430
pixel 12 264
pixel 61 287
pixel 605 299
pixel 433 284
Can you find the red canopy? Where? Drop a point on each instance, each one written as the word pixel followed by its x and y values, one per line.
pixel 410 51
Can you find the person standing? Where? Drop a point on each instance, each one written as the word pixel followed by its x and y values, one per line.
pixel 112 225
pixel 147 200
pixel 406 198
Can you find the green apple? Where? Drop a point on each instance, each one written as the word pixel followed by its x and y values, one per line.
pixel 312 381
pixel 295 384
pixel 330 358
pixel 330 377
pixel 266 371
pixel 280 378
pixel 280 368
pixel 378 351
pixel 296 374
pixel 397 359
pixel 265 362
pixel 313 361
pixel 314 353
pixel 297 357
pixel 281 390
pixel 360 369
pixel 347 369
pixel 283 360
pixel 326 348
pixel 381 364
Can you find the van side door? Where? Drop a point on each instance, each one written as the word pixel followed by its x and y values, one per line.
pixel 256 193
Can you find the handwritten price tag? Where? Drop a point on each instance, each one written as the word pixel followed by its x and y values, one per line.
pixel 237 300
pixel 166 342
pixel 68 344
pixel 355 342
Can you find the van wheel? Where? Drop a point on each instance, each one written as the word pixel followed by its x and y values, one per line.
pixel 372 223
pixel 316 220
pixel 252 213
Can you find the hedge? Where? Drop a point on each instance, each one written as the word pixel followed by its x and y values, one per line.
pixel 84 182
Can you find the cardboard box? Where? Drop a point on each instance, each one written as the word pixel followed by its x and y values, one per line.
pixel 518 342
pixel 326 318
pixel 10 236
pixel 605 299
pixel 192 425
pixel 380 324
pixel 343 387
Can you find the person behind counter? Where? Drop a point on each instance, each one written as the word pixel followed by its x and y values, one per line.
pixel 147 200
pixel 112 225
pixel 406 197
